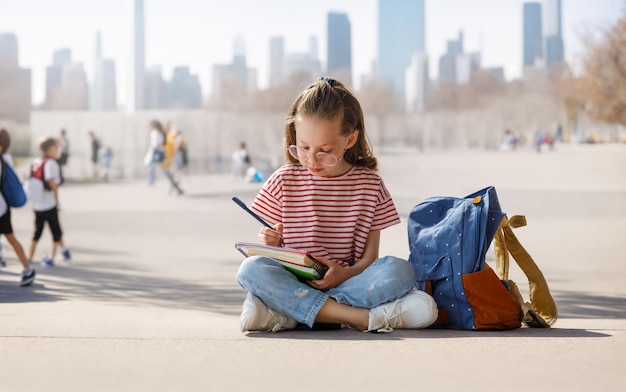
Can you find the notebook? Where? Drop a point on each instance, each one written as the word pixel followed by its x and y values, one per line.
pixel 298 262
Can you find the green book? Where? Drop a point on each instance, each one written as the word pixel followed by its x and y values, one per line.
pixel 298 262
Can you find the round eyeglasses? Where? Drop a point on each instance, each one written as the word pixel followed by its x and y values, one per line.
pixel 324 158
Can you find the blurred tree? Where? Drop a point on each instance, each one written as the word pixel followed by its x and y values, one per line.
pixel 482 88
pixel 571 91
pixel 377 99
pixel 602 86
pixel 233 93
pixel 276 99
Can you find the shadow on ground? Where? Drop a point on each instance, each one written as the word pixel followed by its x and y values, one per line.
pixel 575 304
pixel 114 282
pixel 11 292
pixel 345 334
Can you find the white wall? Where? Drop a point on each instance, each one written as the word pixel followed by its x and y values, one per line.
pixel 209 134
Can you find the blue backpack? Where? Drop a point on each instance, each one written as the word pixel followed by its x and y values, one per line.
pixel 11 187
pixel 448 239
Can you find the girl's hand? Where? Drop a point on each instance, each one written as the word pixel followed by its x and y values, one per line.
pixel 271 237
pixel 335 275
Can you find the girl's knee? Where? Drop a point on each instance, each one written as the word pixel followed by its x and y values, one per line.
pixel 254 270
pixel 251 267
pixel 401 269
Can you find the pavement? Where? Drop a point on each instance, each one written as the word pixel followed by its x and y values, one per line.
pixel 149 300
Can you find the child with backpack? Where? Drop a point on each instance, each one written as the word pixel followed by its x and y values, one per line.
pixel 329 200
pixel 28 274
pixel 46 207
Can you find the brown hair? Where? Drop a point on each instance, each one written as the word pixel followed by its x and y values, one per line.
pixel 5 140
pixel 156 124
pixel 329 99
pixel 45 143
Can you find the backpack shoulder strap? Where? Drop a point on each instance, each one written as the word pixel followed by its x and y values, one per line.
pixel 542 310
pixel 4 166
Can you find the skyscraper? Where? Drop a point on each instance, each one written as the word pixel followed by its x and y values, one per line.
pixel 339 47
pixel 54 73
pixel 109 95
pixel 103 91
pixel 137 84
pixel 232 82
pixel 466 65
pixel 553 34
pixel 74 91
pixel 183 90
pixel 15 82
pixel 417 79
pixel 533 49
pixel 285 67
pixel 97 86
pixel 456 65
pixel 8 51
pixel 448 62
pixel 66 83
pixel 61 57
pixel 401 34
pixel 277 58
pixel 239 66
pixel 155 88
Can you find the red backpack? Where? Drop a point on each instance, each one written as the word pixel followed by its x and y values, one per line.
pixel 37 172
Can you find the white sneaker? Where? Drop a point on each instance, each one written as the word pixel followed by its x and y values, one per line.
pixel 415 310
pixel 256 316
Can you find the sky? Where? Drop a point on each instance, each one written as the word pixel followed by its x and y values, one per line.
pixel 200 33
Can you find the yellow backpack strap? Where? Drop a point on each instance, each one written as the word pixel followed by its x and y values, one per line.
pixel 542 310
pixel 502 254
pixel 502 270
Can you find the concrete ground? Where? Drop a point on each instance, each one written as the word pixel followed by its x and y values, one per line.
pixel 149 300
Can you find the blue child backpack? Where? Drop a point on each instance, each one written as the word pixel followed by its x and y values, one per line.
pixel 11 186
pixel 448 239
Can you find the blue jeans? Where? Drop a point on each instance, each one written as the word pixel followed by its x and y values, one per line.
pixel 385 280
pixel 151 173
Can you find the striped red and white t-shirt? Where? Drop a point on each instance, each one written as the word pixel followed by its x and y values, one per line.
pixel 327 216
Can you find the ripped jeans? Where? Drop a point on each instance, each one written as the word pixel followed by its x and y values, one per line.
pixel 386 279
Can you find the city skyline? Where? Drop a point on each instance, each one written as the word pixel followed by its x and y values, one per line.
pixel 39 36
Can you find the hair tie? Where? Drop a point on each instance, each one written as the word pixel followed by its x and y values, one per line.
pixel 331 82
